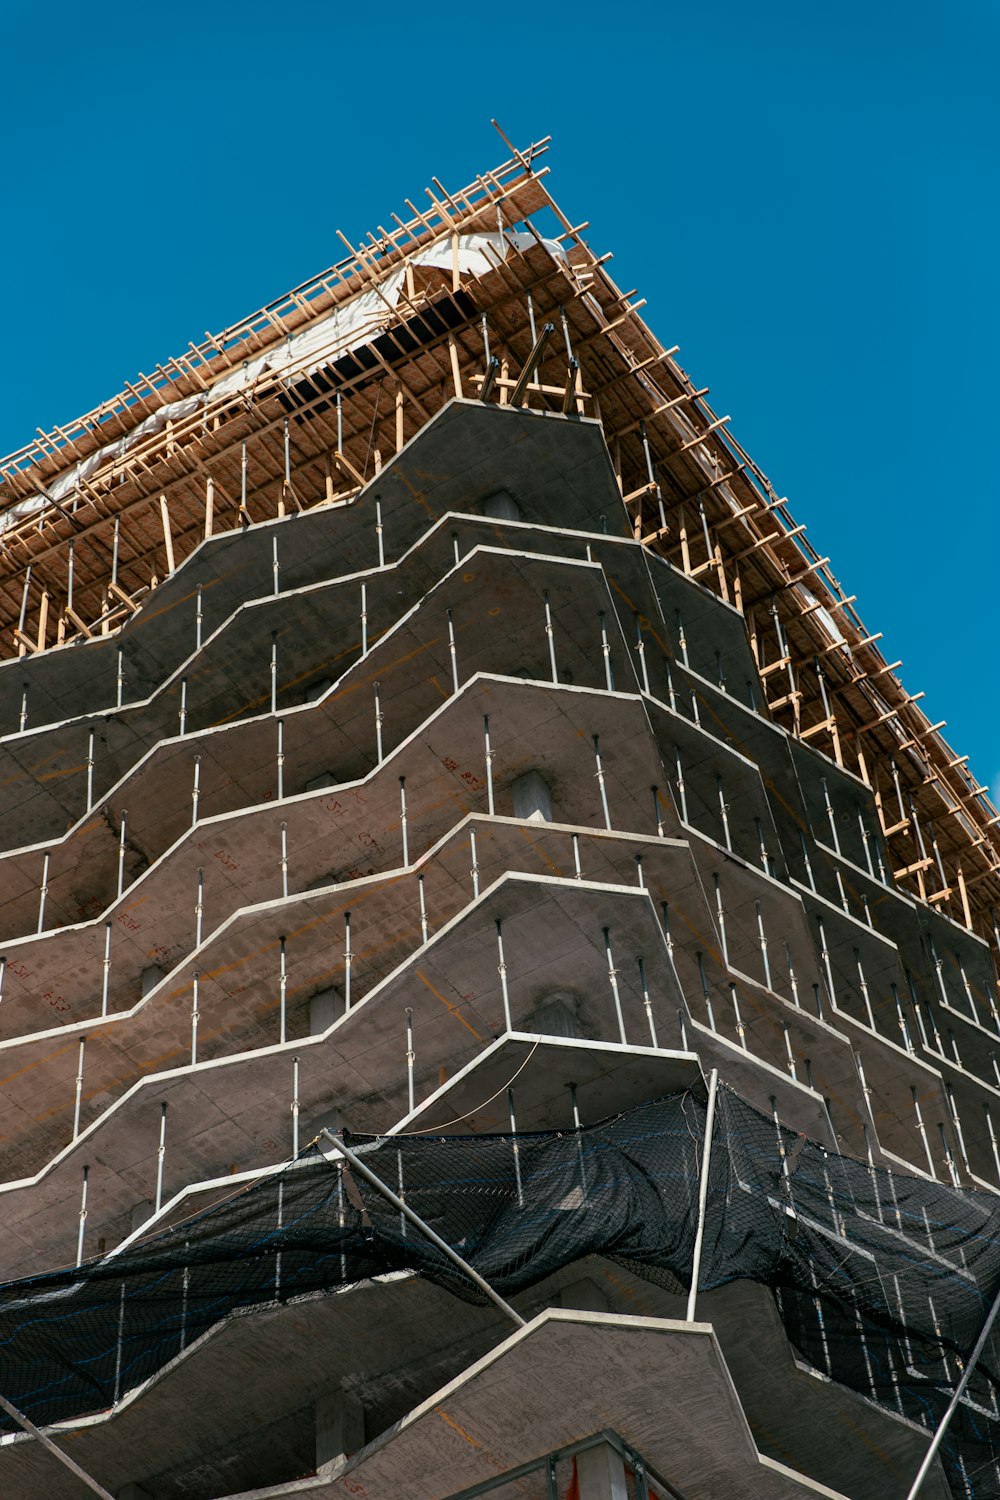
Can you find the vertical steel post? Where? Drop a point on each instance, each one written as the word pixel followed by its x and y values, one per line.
pixel 647 1002
pixel 609 676
pixel 516 1148
pixel 474 868
pixel 410 1057
pixel 578 1130
pixel 195 1015
pixel 599 773
pixel 502 971
pixel 106 967
pixel 720 912
pixel 347 961
pixel 195 790
pixel 43 891
pixel 295 1107
pixel 551 637
pixel 423 909
pixel 121 853
pixel 378 725
pixel 402 819
pixel 489 766
pixel 640 647
pixel 706 1161
pixel 78 1100
pixel 762 936
pixel 613 981
pixel 161 1152
pixel 282 990
pixel 453 652
pixel 83 1217
pixel 199 908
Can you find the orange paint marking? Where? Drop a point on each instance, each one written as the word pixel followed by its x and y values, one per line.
pixel 451 1009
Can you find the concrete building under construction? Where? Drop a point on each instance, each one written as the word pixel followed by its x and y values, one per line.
pixel 443 789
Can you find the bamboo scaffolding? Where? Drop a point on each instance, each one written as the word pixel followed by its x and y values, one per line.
pixel 167 490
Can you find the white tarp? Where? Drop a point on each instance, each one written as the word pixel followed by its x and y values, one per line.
pixel 350 326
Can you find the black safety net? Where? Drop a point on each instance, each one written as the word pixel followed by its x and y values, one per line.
pixel 882 1280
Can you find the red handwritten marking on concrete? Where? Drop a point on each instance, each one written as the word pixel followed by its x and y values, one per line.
pixel 56 1002
pixel 474 782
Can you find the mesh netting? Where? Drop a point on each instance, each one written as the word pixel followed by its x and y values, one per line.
pixel 882 1281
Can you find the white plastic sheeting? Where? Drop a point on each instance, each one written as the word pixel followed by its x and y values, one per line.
pixel 350 326
pixel 822 614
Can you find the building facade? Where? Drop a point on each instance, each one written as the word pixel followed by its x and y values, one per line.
pixel 422 719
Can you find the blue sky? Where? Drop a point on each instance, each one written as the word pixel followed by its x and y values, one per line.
pixel 806 194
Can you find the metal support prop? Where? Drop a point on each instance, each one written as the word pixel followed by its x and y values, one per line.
pixel 502 971
pixel 28 1426
pixel 435 1239
pixel 706 1159
pixel 599 773
pixel 489 766
pixel 295 1107
pixel 423 909
pixel 492 371
pixel 410 1056
pixel 378 725
pixel 43 891
pixel 195 1016
pixel 551 637
pixel 121 856
pixel 953 1404
pixel 82 1223
pixel 161 1152
pixel 613 981
pixel 402 819
pixel 79 1087
pixel 453 651
pixel 282 990
pixel 531 364
pixel 106 969
pixel 195 790
pixel 516 1148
